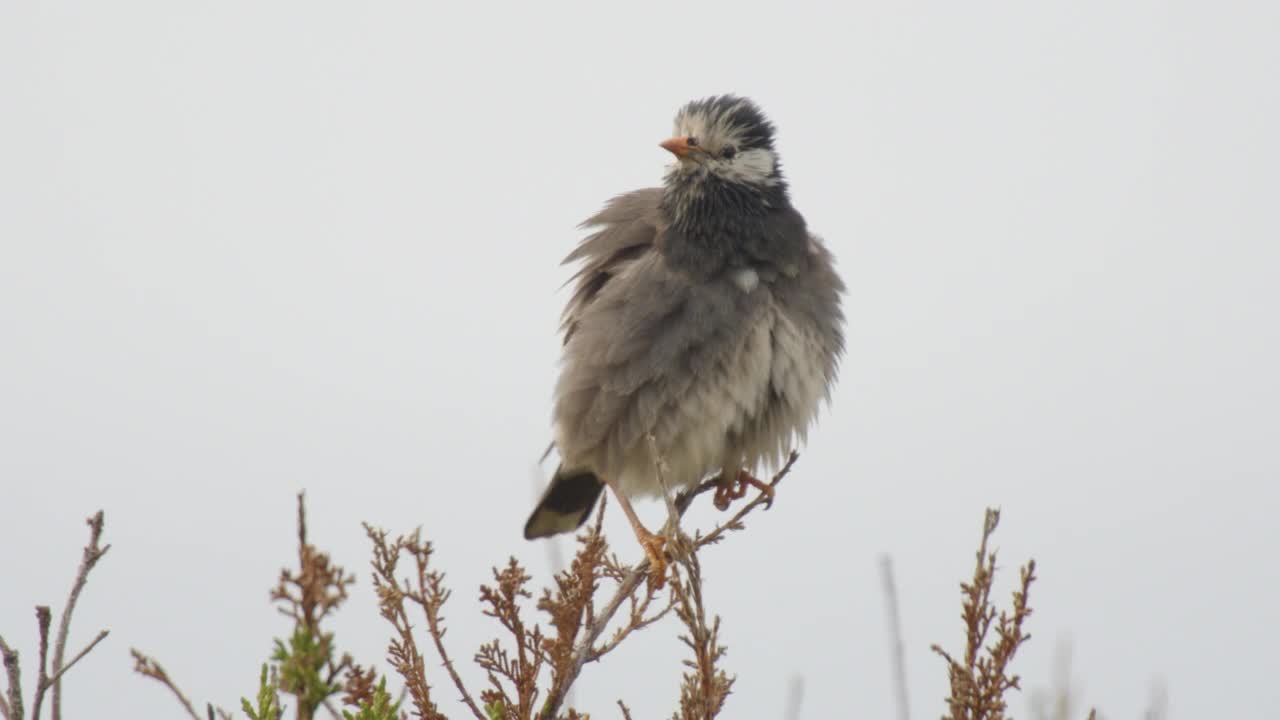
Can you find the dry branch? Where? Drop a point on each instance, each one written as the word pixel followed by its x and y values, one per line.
pixel 896 656
pixel 430 594
pixel 706 686
pixel 13 672
pixel 144 665
pixel 979 683
pixel 93 552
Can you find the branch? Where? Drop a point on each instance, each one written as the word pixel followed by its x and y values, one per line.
pixel 896 656
pixel 12 670
pixel 979 683
pixel 583 652
pixel 735 522
pixel 705 686
pixel 144 665
pixel 434 596
pixel 92 554
pixel 58 675
pixel 43 618
pixel 44 682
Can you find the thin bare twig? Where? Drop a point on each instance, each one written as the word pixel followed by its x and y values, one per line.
pixel 626 711
pixel 58 675
pixel 147 666
pixel 636 621
pixel 14 673
pixel 896 657
pixel 92 554
pixel 44 617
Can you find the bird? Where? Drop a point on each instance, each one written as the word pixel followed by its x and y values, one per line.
pixel 705 325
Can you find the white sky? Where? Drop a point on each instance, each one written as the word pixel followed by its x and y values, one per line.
pixel 256 247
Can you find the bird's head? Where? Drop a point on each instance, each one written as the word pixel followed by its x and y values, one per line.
pixel 723 138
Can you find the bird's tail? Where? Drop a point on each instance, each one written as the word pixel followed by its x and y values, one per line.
pixel 565 505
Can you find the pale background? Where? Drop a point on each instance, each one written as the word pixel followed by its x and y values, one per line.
pixel 268 246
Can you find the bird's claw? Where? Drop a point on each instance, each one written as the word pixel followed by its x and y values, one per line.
pixel 729 490
pixel 655 549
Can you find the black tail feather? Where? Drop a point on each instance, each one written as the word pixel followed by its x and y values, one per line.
pixel 566 504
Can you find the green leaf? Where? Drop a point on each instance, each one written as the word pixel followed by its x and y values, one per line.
pixel 268 707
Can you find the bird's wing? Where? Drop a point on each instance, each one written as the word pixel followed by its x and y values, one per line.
pixel 628 227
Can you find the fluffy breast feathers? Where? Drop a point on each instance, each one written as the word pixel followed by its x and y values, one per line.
pixel 724 372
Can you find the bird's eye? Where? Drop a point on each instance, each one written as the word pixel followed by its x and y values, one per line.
pixel 728 152
pixel 692 142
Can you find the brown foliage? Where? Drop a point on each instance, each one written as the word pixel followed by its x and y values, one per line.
pixel 530 670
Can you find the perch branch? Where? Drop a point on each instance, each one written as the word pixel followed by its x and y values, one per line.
pixel 583 651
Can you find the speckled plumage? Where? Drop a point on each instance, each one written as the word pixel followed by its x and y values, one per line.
pixel 704 313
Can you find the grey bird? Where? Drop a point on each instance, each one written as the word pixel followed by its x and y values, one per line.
pixel 705 315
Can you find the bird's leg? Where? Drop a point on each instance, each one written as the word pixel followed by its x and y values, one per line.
pixel 728 490
pixel 653 544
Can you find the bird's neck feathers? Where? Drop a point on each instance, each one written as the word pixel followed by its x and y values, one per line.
pixel 714 224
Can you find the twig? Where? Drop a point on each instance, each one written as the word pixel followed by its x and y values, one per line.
pixel 896 657
pixel 582 652
pixel 144 665
pixel 735 522
pixel 92 554
pixel 14 673
pixel 56 676
pixel 43 618
pixel 626 711
pixel 637 621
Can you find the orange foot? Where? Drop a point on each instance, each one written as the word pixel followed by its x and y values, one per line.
pixel 729 490
pixel 654 548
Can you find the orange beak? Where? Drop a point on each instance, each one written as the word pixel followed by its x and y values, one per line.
pixel 678 146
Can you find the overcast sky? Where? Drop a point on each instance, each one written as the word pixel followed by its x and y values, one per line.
pixel 251 248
